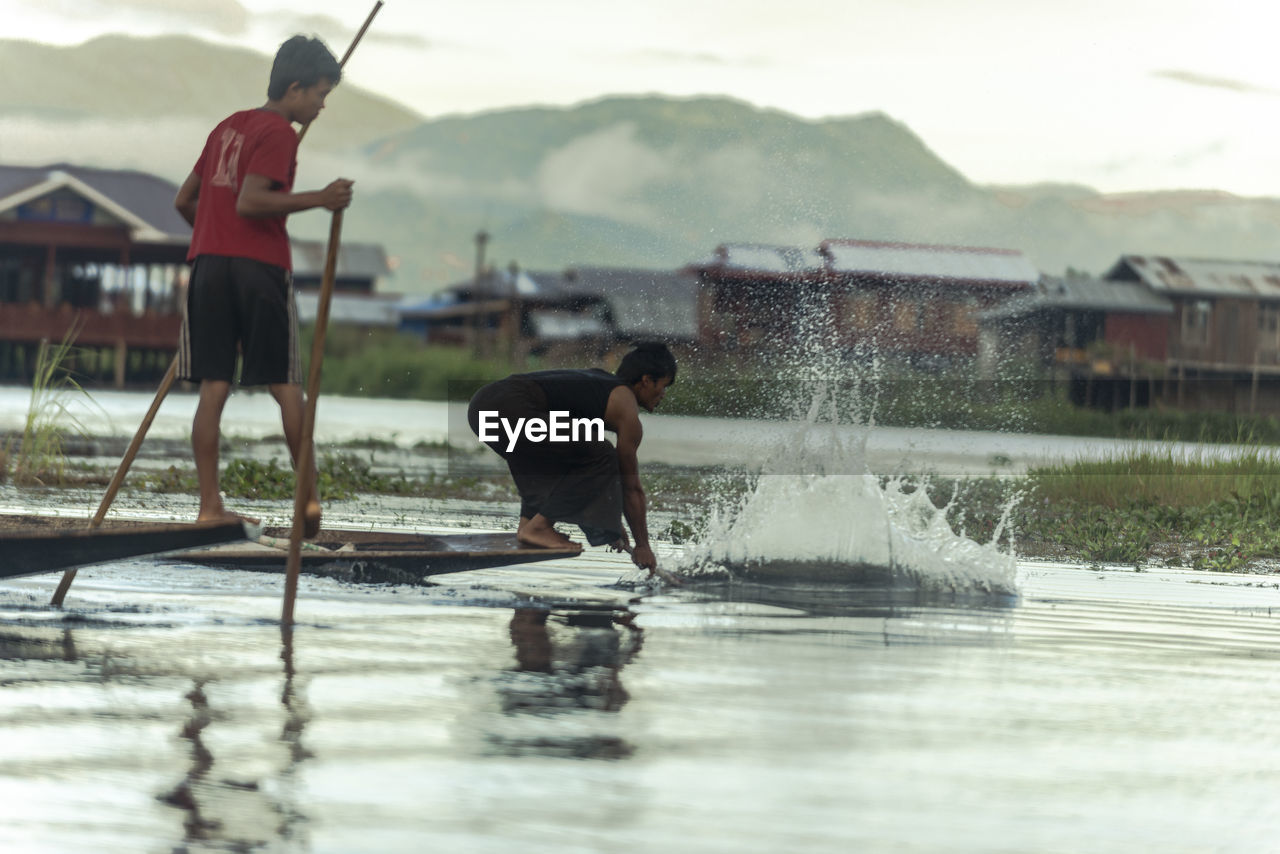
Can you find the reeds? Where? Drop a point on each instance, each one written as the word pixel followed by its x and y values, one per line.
pixel 1168 476
pixel 38 459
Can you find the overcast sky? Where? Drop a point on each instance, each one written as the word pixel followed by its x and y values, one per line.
pixel 1116 94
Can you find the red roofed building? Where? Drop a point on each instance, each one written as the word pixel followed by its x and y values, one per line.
pixel 916 301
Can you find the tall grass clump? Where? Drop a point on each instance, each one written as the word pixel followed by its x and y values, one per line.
pixel 38 458
pixel 1191 508
pixel 1164 476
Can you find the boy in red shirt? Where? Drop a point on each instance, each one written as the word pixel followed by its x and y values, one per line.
pixel 240 298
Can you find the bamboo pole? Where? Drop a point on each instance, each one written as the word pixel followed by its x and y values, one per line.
pixel 303 475
pixel 118 478
pixel 167 383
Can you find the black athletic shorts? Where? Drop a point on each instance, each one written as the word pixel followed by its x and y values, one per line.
pixel 239 306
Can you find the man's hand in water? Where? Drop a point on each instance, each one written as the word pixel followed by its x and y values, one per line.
pixel 643 557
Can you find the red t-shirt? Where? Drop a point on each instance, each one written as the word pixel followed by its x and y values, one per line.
pixel 251 141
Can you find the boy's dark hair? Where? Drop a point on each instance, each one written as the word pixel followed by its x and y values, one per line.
pixel 304 61
pixel 648 359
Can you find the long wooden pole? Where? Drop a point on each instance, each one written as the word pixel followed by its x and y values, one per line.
pixel 118 478
pixel 167 383
pixel 306 454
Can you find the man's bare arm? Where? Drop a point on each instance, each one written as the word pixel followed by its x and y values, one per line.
pixel 623 414
pixel 187 199
pixel 257 199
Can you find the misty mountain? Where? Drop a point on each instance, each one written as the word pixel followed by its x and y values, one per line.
pixel 167 80
pixel 636 181
pixel 659 182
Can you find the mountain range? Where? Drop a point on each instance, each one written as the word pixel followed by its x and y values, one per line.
pixel 644 181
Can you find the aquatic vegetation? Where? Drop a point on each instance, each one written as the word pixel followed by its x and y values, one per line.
pixel 341 476
pixel 38 457
pixel 1191 509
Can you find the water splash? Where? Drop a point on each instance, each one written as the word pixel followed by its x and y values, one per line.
pixel 817 513
pixel 849 527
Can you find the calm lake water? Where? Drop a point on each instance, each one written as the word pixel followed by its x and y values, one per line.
pixel 558 707
pixel 508 710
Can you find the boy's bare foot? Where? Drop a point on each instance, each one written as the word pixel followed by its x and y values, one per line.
pixel 227 516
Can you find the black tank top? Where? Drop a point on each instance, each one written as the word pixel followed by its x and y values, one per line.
pixel 581 393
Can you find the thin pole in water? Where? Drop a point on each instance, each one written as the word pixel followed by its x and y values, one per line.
pixel 303 474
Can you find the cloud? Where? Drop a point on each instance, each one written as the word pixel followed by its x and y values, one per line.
pixel 168 148
pixel 335 33
pixel 601 174
pixel 1193 78
pixel 228 17
pixel 700 58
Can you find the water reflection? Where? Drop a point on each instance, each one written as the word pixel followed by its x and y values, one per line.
pixel 840 601
pixel 568 665
pixel 46 646
pixel 242 814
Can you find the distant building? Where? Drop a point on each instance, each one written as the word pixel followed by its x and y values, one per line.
pixel 1060 319
pixel 1108 339
pixel 104 244
pixel 916 302
pixel 358 298
pixel 1224 332
pixel 756 295
pixel 579 312
pixel 1155 330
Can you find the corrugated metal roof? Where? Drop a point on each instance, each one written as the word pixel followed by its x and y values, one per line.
pixel 1201 276
pixel 644 303
pixel 350 309
pixel 1077 294
pixel 355 260
pixel 765 258
pixel 931 262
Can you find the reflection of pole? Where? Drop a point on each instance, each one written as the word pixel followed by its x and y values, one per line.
pixel 478 294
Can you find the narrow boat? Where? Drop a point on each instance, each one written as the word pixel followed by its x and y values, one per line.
pixel 30 545
pixel 376 556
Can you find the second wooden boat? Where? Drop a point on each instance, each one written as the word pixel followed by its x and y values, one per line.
pixel 376 556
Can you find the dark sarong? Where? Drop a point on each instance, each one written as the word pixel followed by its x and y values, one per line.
pixel 575 482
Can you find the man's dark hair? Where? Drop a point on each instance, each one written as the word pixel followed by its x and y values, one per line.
pixel 648 359
pixel 304 61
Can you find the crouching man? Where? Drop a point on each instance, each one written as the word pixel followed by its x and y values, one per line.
pixel 549 426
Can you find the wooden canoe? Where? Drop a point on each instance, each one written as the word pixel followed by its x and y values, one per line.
pixel 44 545
pixel 376 556
pixel 352 555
